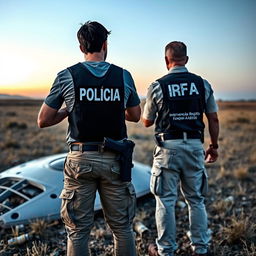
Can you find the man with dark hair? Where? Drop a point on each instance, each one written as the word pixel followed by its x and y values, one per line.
pixel 176 103
pixel 99 97
pixel 91 36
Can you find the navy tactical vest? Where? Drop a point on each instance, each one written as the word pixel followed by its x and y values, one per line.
pixel 183 103
pixel 98 110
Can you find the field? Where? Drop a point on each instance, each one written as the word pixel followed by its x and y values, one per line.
pixel 231 201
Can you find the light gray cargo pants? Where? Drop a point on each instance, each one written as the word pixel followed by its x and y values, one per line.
pixel 180 161
pixel 84 174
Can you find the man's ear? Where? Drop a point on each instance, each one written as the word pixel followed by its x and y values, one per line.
pixel 166 62
pixel 105 45
pixel 81 48
pixel 187 58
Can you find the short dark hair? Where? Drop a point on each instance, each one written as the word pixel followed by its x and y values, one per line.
pixel 91 36
pixel 177 50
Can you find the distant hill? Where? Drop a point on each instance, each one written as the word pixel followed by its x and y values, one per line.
pixel 13 97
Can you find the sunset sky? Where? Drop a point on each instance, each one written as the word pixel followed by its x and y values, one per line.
pixel 38 39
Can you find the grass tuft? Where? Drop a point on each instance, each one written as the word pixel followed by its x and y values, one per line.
pixel 241 173
pixel 239 230
pixel 223 173
pixel 222 206
pixel 38 227
pixel 240 191
pixel 38 249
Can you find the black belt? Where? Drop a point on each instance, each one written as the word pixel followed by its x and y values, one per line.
pixel 180 135
pixel 84 147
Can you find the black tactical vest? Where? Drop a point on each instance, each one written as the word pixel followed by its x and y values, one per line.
pixel 183 103
pixel 98 110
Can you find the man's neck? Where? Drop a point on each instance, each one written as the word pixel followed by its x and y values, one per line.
pixel 175 65
pixel 96 56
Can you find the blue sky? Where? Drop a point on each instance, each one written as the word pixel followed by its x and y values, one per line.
pixel 38 39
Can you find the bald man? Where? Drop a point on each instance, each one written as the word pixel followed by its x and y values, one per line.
pixel 175 104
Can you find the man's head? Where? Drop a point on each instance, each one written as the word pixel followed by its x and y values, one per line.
pixel 175 54
pixel 92 36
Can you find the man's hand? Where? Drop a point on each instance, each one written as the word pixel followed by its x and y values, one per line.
pixel 49 116
pixel 211 155
pixel 146 122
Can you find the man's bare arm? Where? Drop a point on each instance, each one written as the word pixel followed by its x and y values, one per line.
pixel 213 123
pixel 146 122
pixel 49 116
pixel 132 114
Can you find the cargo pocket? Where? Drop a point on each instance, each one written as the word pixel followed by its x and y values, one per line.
pixel 131 202
pixel 67 207
pixel 164 157
pixel 198 158
pixel 77 168
pixel 156 180
pixel 204 189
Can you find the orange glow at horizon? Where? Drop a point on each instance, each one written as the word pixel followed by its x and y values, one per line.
pixel 32 88
pixel 28 71
pixel 35 91
pixel 41 91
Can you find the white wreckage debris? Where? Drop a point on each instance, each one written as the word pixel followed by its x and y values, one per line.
pixel 31 190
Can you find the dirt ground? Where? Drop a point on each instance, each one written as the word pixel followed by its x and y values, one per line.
pixel 231 201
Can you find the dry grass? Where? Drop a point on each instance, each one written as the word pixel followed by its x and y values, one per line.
pixel 241 229
pixel 38 227
pixel 15 231
pixel 241 120
pixel 141 216
pixel 240 191
pixel 38 249
pixel 253 156
pixel 241 173
pixel 249 250
pixel 233 175
pixel 223 206
pixel 223 173
pixel 21 139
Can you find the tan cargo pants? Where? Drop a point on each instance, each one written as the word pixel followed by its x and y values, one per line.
pixel 84 174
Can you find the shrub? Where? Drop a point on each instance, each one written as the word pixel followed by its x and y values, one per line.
pixel 12 125
pixel 12 144
pixel 242 120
